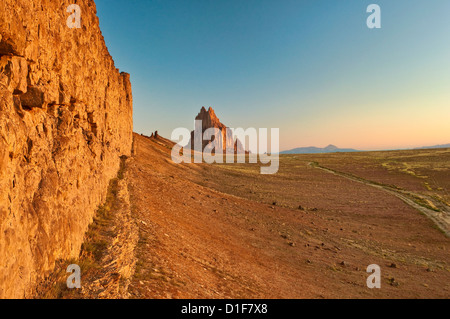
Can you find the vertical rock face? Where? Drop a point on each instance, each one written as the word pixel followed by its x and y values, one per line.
pixel 65 120
pixel 210 120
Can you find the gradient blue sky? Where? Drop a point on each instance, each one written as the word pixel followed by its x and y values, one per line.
pixel 311 68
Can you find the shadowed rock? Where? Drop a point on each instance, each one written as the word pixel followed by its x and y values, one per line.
pixel 227 142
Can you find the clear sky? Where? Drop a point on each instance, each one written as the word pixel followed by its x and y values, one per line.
pixel 311 68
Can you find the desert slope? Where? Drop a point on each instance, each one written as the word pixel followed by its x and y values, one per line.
pixel 226 231
pixel 214 231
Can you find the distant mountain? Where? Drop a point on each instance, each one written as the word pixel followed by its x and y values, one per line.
pixel 435 146
pixel 334 149
pixel 316 150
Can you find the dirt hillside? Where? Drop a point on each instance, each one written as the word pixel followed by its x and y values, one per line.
pixel 203 234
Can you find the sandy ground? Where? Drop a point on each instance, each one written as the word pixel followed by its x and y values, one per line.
pixel 214 231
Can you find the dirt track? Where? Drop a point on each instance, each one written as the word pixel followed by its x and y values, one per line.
pixel 441 217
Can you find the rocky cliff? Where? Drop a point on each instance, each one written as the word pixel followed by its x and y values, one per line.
pixel 65 120
pixel 210 120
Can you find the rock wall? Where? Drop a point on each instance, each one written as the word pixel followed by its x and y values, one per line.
pixel 65 120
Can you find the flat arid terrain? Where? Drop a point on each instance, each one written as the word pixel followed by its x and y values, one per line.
pixel 309 231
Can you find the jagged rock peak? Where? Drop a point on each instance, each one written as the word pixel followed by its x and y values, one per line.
pixel 206 113
pixel 210 120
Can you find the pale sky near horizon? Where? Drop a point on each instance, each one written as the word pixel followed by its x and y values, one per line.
pixel 311 68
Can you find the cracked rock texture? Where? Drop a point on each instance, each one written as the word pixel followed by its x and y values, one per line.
pixel 224 139
pixel 65 120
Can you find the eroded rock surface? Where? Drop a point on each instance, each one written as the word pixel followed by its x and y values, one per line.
pixel 225 139
pixel 65 119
